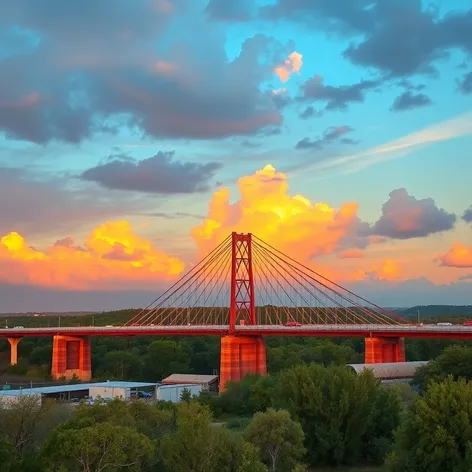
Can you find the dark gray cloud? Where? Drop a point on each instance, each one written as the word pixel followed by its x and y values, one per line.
pixel 405 217
pixel 159 174
pixel 229 11
pixel 309 112
pixel 336 98
pixel 397 37
pixel 467 216
pixel 465 84
pixel 330 135
pixel 116 74
pixel 409 100
pixel 34 204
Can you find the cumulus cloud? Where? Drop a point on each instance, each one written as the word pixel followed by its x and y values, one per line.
pixel 459 255
pixel 336 97
pixel 409 100
pixel 404 217
pixel 467 216
pixel 291 65
pixel 159 174
pixel 290 222
pixel 111 255
pixel 330 135
pixel 378 24
pixel 114 74
pixel 465 84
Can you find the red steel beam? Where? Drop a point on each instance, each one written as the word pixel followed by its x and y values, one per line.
pixel 452 332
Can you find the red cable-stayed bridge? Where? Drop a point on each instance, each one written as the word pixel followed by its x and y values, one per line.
pixel 243 290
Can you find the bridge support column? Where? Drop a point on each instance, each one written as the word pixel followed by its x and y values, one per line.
pixel 382 350
pixel 71 356
pixel 14 350
pixel 241 355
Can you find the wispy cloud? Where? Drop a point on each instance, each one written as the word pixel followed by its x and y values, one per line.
pixel 442 131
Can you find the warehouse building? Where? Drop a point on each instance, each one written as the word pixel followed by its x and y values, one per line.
pixel 391 371
pixel 208 383
pixel 102 390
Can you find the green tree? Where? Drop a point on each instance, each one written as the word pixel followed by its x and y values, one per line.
pixel 122 365
pixel 249 459
pixel 337 411
pixel 186 395
pixel 196 445
pixel 166 357
pixel 436 435
pixel 99 447
pixel 278 437
pixel 192 447
pixel 8 456
pixel 22 420
pixel 454 360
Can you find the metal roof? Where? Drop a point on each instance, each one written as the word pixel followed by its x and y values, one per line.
pixel 161 386
pixel 189 379
pixel 75 387
pixel 390 370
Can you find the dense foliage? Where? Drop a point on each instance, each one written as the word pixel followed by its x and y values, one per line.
pixel 310 409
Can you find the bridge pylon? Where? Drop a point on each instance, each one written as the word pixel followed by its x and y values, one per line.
pixel 241 355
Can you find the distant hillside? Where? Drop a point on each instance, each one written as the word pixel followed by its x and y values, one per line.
pixel 437 311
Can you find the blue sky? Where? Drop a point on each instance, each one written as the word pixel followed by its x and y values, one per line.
pixel 141 111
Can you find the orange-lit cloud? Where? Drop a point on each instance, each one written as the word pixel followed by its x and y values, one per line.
pixel 111 254
pixel 164 68
pixel 351 254
pixel 459 255
pixel 291 65
pixel 293 224
pixel 388 269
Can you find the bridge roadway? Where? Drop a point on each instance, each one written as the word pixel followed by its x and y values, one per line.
pixel 360 330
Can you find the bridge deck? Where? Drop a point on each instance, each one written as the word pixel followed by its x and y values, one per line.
pixel 360 330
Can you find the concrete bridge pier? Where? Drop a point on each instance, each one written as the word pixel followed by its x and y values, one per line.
pixel 71 356
pixel 14 350
pixel 241 355
pixel 383 350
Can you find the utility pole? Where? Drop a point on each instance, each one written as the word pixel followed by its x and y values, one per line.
pixel 418 312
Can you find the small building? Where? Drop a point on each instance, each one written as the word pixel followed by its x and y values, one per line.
pixel 124 390
pixel 173 392
pixel 390 371
pixel 121 390
pixel 207 382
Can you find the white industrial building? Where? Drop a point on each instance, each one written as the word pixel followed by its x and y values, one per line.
pixel 172 393
pixel 121 390
pixel 102 390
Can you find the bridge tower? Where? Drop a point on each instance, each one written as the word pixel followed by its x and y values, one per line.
pixel 241 355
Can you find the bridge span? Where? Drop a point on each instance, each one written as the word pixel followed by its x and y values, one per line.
pixel 325 330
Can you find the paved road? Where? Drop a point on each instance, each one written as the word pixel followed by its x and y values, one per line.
pixel 362 330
